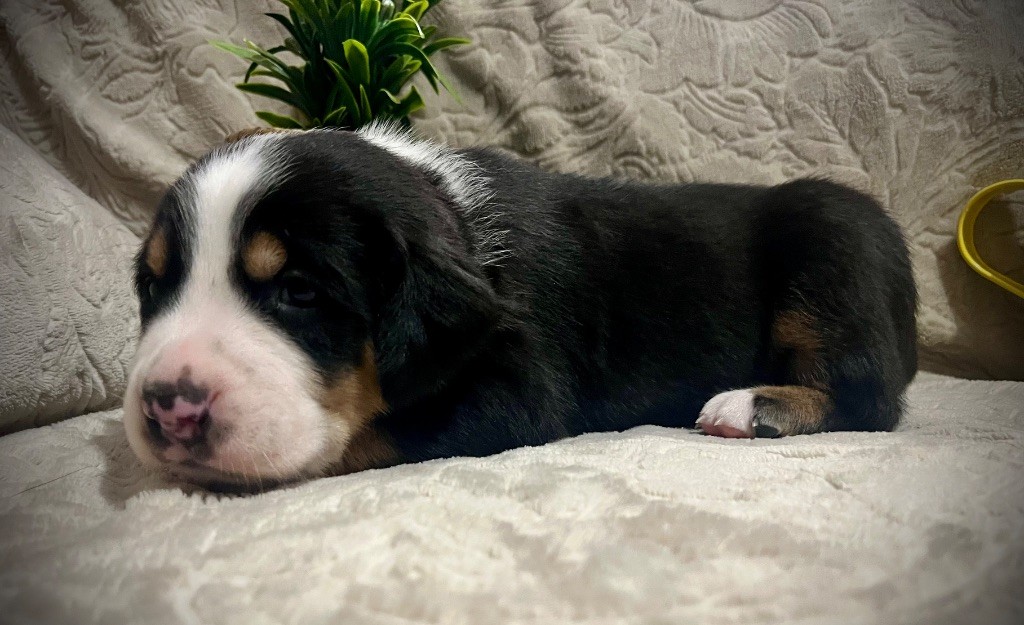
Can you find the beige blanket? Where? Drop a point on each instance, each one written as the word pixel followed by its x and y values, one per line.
pixel 924 525
pixel 103 102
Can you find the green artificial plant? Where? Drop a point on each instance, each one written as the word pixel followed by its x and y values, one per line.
pixel 357 57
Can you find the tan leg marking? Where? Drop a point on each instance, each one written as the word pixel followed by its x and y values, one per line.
pixel 263 256
pixel 795 331
pixel 355 398
pixel 156 252
pixel 791 409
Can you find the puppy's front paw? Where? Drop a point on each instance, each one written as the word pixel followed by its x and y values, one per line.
pixel 730 415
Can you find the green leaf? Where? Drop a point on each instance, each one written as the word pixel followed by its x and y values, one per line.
pixel 283 20
pixel 446 42
pixel 358 61
pixel 293 46
pixel 306 10
pixel 260 58
pixel 344 92
pixel 252 66
pixel 334 31
pixel 401 47
pixel 396 75
pixel 303 31
pixel 270 91
pixel 300 38
pixel 369 14
pixel 278 121
pixel 259 71
pixel 365 103
pixel 334 117
pixel 266 59
pixel 346 17
pixel 249 72
pixel 317 82
pixel 402 28
pixel 448 88
pixel 415 10
pixel 411 103
pixel 238 51
pixel 429 71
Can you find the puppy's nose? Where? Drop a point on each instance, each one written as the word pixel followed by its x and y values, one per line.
pixel 180 408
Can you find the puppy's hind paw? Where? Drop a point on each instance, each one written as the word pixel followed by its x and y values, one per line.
pixel 730 415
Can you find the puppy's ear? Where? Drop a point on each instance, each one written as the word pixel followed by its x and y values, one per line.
pixel 435 315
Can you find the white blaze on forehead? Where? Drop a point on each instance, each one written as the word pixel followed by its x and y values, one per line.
pixel 214 194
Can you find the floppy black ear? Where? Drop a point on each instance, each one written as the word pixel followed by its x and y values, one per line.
pixel 435 316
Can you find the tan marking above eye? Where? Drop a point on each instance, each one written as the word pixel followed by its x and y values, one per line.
pixel 156 252
pixel 264 256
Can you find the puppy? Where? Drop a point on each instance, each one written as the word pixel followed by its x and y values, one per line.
pixel 322 302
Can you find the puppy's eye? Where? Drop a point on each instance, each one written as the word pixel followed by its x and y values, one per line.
pixel 299 292
pixel 150 290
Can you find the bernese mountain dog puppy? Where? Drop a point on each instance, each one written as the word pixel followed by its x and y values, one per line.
pixel 322 302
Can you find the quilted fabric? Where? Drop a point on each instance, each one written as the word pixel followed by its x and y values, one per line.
pixel 68 316
pixel 924 525
pixel 918 102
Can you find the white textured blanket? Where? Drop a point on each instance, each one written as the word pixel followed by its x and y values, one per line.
pixel 924 525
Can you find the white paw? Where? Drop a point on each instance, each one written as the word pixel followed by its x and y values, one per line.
pixel 729 414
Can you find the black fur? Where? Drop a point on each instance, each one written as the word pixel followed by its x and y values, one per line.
pixel 620 303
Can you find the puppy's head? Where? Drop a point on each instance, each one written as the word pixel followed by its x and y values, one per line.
pixel 293 288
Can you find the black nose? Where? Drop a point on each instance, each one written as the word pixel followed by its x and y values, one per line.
pixel 162 398
pixel 177 411
pixel 163 392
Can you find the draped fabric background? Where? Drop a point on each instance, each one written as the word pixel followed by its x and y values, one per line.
pixel 919 102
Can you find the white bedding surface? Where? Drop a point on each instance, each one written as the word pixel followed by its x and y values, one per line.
pixel 924 525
